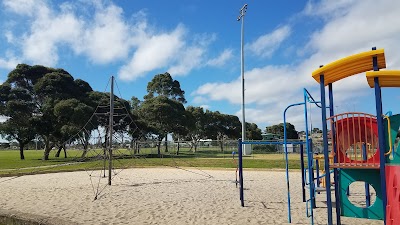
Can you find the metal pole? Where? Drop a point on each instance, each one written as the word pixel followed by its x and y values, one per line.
pixel 367 192
pixel 317 170
pixel 335 170
pixel 326 154
pixel 111 130
pixel 241 172
pixel 241 18
pixel 309 152
pixel 381 139
pixel 286 158
pixel 303 183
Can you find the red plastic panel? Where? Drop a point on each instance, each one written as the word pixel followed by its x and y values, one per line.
pixel 393 195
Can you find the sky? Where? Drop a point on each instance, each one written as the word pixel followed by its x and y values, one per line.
pixel 198 42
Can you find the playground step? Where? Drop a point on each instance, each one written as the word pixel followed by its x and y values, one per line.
pixel 356 165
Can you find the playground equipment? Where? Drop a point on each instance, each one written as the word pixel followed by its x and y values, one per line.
pixel 362 144
pixel 240 164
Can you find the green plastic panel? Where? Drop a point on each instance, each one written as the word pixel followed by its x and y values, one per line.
pixel 394 157
pixel 348 176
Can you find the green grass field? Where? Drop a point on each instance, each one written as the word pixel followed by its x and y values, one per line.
pixel 11 165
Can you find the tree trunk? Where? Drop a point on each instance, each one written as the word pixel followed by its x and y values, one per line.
pixel 177 151
pixel 221 145
pixel 21 151
pixel 46 153
pixel 159 147
pixel 84 153
pixel 58 151
pixel 166 142
pixel 65 151
pixel 47 149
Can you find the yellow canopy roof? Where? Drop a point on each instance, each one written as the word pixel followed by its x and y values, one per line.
pixel 349 66
pixel 387 78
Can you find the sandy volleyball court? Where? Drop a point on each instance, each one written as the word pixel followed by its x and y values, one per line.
pixel 159 196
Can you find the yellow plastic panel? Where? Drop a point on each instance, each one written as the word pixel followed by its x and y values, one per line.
pixel 387 78
pixel 349 66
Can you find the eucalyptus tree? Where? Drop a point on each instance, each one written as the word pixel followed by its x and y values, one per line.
pixel 162 85
pixel 222 126
pixel 54 88
pixel 72 116
pixel 278 130
pixel 17 105
pixel 122 119
pixel 253 132
pixel 163 115
pixel 20 104
pixel 139 129
pixel 40 89
pixel 197 130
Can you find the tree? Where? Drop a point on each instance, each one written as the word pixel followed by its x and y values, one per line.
pixel 316 130
pixel 19 107
pixel 40 90
pixel 253 132
pixel 278 130
pixel 122 114
pixel 197 126
pixel 221 126
pixel 164 85
pixel 139 128
pixel 72 115
pixel 163 115
pixel 52 88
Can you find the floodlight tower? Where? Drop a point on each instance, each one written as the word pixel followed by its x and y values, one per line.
pixel 242 13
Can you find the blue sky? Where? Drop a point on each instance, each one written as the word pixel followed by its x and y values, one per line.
pixel 198 43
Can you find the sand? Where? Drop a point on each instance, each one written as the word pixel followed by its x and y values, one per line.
pixel 160 196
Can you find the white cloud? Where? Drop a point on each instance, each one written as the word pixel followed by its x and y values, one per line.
pixel 108 38
pixel 190 59
pixel 99 31
pixel 154 53
pixel 41 46
pixel 9 36
pixel 22 7
pixel 267 44
pixel 221 59
pixel 9 63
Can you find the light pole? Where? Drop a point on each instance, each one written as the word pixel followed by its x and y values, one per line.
pixel 242 13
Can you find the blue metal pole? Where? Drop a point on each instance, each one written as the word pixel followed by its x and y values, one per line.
pixel 367 192
pixel 378 100
pixel 303 190
pixel 317 170
pixel 335 160
pixel 326 154
pixel 309 161
pixel 241 172
pixel 286 156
